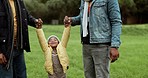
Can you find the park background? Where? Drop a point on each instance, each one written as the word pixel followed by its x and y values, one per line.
pixel 133 61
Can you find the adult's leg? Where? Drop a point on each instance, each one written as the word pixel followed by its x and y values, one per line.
pixel 101 57
pixel 6 73
pixel 19 64
pixel 89 69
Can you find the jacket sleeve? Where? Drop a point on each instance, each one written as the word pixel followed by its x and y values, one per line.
pixel 42 39
pixel 65 36
pixel 77 20
pixel 31 20
pixel 46 50
pixel 116 23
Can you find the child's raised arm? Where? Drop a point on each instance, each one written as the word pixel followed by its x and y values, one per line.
pixel 65 36
pixel 41 38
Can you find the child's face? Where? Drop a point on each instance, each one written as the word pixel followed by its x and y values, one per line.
pixel 53 42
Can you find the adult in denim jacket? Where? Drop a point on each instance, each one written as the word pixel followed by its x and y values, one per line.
pixel 103 39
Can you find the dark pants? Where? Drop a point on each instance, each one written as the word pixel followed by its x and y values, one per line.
pixel 96 60
pixel 17 66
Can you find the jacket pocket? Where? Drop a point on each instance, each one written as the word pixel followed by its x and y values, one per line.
pixel 99 7
pixel 99 4
pixel 3 35
pixel 2 39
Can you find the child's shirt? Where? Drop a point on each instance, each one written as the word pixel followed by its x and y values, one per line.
pixel 57 67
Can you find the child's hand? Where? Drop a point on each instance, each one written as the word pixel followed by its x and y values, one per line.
pixel 39 23
pixel 67 21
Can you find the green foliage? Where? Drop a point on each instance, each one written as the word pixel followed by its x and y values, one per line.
pixel 57 9
pixel 131 64
pixel 134 6
pixel 142 5
pixel 134 11
pixel 55 4
pixel 36 8
pixel 128 7
pixel 53 9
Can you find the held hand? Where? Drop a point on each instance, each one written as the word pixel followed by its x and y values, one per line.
pixel 2 59
pixel 39 23
pixel 114 54
pixel 67 21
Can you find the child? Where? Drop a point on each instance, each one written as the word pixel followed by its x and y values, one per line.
pixel 56 58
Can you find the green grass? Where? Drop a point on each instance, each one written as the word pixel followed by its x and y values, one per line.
pixel 133 61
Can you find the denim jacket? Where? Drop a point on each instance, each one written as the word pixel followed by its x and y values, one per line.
pixel 104 21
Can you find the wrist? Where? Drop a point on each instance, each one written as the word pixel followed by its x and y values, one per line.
pixel 115 47
pixel 38 28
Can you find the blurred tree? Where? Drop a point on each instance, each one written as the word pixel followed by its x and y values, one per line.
pixel 134 11
pixel 142 6
pixel 128 9
pixel 36 8
pixel 60 8
pixel 53 9
pixel 43 1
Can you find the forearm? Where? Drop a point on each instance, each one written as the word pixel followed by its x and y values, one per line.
pixel 115 40
pixel 31 20
pixel 42 39
pixel 65 36
pixel 116 23
pixel 116 32
pixel 76 20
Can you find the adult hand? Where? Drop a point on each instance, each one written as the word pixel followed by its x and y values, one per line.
pixel 38 23
pixel 114 54
pixel 2 59
pixel 67 21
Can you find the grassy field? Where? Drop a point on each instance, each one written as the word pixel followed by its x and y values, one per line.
pixel 133 61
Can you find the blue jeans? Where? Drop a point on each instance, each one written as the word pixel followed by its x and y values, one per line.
pixel 17 67
pixel 96 60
